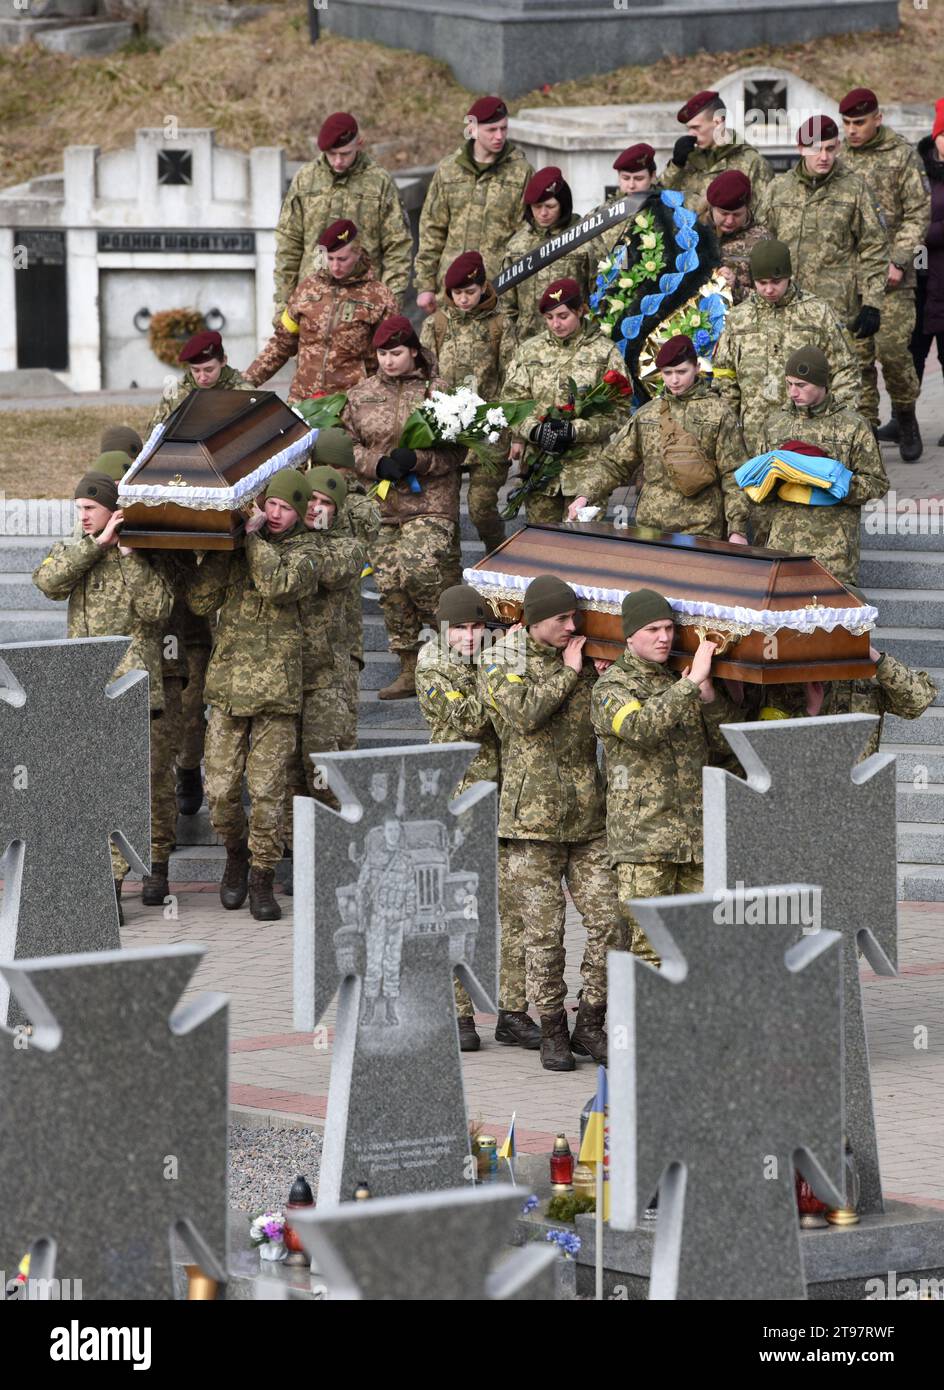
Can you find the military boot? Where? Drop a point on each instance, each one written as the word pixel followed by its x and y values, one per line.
pixel 367 1009
pixel 392 1017
pixel 154 888
pixel 889 433
pixel 910 445
pixel 121 915
pixel 492 539
pixel 516 1028
pixel 469 1040
pixel 288 883
pixel 589 1035
pixel 235 882
pixel 555 1043
pixel 262 902
pixel 403 686
pixel 189 790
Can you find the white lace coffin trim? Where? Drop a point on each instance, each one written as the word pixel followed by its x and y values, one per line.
pixel 691 611
pixel 215 499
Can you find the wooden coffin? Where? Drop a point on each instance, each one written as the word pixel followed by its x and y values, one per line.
pixel 698 570
pixel 213 441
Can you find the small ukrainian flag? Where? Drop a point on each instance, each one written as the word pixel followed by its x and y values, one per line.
pixel 592 1145
pixel 368 569
pixel 508 1149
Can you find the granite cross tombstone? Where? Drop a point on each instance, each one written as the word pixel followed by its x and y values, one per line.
pixel 393 894
pixel 434 1246
pixel 808 810
pixel 76 770
pixel 725 1070
pixel 113 1123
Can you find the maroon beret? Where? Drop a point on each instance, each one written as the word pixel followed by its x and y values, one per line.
pixel 635 159
pixel 816 130
pixel 859 102
pixel 546 183
pixel 488 110
pixel 338 235
pixel 800 446
pixel 676 351
pixel 339 129
pixel 695 104
pixel 466 270
pixel 729 190
pixel 559 292
pixel 201 347
pixel 396 331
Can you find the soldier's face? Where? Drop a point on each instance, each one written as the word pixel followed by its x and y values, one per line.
pixel 562 321
pixel 556 631
pixel 396 361
pixel 491 139
pixel 467 298
pixel 392 833
pixel 466 638
pixel 729 220
pixel 344 156
pixel 772 290
pixel 679 378
pixel 280 516
pixel 705 127
pixel 859 129
pixel 343 261
pixel 319 513
pixel 654 641
pixel 93 516
pixel 634 180
pixel 547 213
pixel 819 159
pixel 207 374
pixel 804 392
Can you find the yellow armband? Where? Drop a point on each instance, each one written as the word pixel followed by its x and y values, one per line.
pixel 288 322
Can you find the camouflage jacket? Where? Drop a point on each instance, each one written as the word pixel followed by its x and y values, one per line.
pixel 256 666
pixel 229 380
pixel 471 348
pixel 540 370
pixel 360 519
pixel 340 559
pixel 551 786
pixel 657 736
pixel 894 171
pixel 703 166
pixel 317 196
pixel 520 302
pixel 838 245
pixel 829 534
pixel 719 508
pixel 469 207
pixel 113 595
pixel 736 248
pixel 329 323
pixel 376 411
pixel 758 337
pixel 386 887
pixel 451 703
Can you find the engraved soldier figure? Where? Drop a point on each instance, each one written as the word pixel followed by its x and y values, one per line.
pixel 386 891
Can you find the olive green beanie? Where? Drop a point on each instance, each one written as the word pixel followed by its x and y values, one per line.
pixel 461 604
pixel 290 486
pixel 329 483
pixel 644 606
pixel 546 597
pixel 335 448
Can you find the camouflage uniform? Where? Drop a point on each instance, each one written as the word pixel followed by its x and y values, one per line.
pixel 719 508
pixel 197 636
pixel 758 338
pixel 829 534
pixel 329 323
pixel 229 380
pixel 703 166
pixel 838 245
pixel 360 518
pixel 540 370
pixel 894 171
pixel 471 350
pixel 551 808
pixel 178 568
pixel 317 196
pixel 386 894
pixel 736 248
pixel 520 302
pixel 254 681
pixel 469 207
pixel 657 736
pixel 416 554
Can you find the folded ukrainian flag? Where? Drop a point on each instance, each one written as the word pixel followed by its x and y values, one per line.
pixel 811 480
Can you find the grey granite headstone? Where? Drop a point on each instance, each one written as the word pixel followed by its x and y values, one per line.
pixel 808 811
pixel 113 1122
pixel 725 1070
pixel 75 770
pixel 435 1246
pixel 393 895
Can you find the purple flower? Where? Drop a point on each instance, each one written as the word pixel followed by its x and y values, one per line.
pixel 530 1205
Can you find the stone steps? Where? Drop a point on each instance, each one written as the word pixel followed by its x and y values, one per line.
pixel 924 804
pixel 895 570
pixel 915 646
pixel 928 729
pixel 919 843
pixel 906 608
pixel 920 883
pixel 924 761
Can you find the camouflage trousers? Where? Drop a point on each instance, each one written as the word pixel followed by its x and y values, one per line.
pixel 658 880
pixel 413 563
pixel 319 728
pixel 192 735
pixel 537 869
pixel 260 747
pixel 484 487
pixel 351 686
pixel 541 508
pixel 383 944
pixel 891 346
pixel 164 734
pixel 512 994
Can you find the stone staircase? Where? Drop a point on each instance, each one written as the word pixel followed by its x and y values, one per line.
pixel 902 575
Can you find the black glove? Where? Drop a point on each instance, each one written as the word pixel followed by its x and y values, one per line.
pixel 387 470
pixel 867 323
pixel 553 436
pixel 682 149
pixel 396 465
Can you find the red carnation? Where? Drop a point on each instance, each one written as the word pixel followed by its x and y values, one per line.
pixel 568 408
